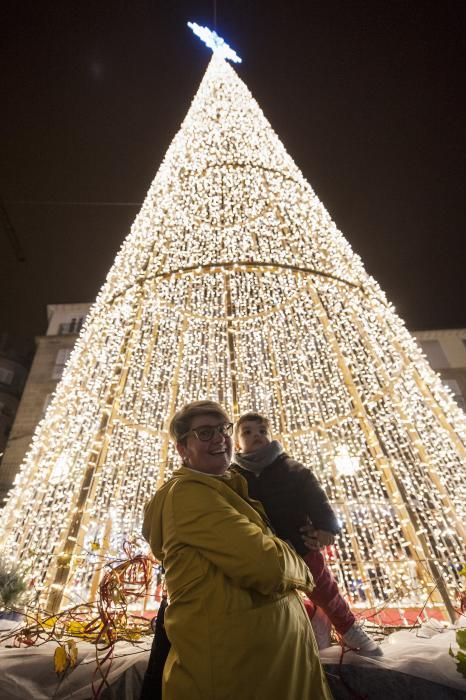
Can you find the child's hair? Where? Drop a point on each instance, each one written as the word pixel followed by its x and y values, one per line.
pixel 252 415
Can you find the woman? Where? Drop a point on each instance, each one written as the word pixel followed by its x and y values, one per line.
pixel 237 626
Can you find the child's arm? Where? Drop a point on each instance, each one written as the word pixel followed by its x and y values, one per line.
pixel 317 506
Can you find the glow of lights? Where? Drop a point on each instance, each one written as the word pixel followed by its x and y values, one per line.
pixel 345 464
pixel 235 284
pixel 214 42
pixel 59 470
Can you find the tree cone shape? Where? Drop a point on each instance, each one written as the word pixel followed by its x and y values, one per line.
pixel 235 285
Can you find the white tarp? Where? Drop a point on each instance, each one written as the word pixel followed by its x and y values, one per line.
pixel 29 672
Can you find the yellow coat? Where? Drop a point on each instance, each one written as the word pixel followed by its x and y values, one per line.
pixel 237 626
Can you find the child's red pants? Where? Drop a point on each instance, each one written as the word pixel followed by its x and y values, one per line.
pixel 326 594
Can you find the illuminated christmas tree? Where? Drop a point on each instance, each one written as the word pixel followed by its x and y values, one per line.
pixel 234 284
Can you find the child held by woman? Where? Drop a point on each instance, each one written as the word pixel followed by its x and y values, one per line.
pixel 293 499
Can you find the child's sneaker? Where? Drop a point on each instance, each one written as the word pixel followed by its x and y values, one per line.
pixel 358 640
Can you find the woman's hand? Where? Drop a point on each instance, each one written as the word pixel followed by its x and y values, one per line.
pixel 315 539
pixel 325 538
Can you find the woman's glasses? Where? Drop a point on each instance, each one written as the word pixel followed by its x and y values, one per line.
pixel 204 433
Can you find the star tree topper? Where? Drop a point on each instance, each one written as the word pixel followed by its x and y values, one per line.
pixel 214 42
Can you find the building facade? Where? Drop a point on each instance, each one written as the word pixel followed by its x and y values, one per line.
pixel 446 352
pixel 52 352
pixel 15 360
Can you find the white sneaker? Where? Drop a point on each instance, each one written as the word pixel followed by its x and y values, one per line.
pixel 358 640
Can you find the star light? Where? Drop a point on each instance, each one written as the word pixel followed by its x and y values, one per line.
pixel 214 42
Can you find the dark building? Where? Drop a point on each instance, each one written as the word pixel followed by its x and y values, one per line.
pixel 15 360
pixel 52 352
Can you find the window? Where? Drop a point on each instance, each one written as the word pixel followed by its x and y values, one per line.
pixel 74 326
pixel 60 362
pixel 6 375
pixel 5 410
pixel 435 354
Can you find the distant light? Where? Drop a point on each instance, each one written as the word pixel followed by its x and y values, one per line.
pixel 345 464
pixel 214 42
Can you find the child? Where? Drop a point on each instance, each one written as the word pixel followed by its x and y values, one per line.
pixel 292 496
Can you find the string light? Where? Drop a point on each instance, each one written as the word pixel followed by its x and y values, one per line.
pixel 345 464
pixel 235 284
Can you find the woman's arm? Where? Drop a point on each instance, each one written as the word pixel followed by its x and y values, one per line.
pixel 205 520
pixel 315 539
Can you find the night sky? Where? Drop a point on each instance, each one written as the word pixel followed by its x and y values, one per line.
pixel 366 97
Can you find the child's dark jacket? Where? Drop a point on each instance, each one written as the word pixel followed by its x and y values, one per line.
pixel 290 493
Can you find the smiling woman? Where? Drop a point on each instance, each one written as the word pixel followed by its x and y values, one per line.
pixel 236 623
pixel 206 446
